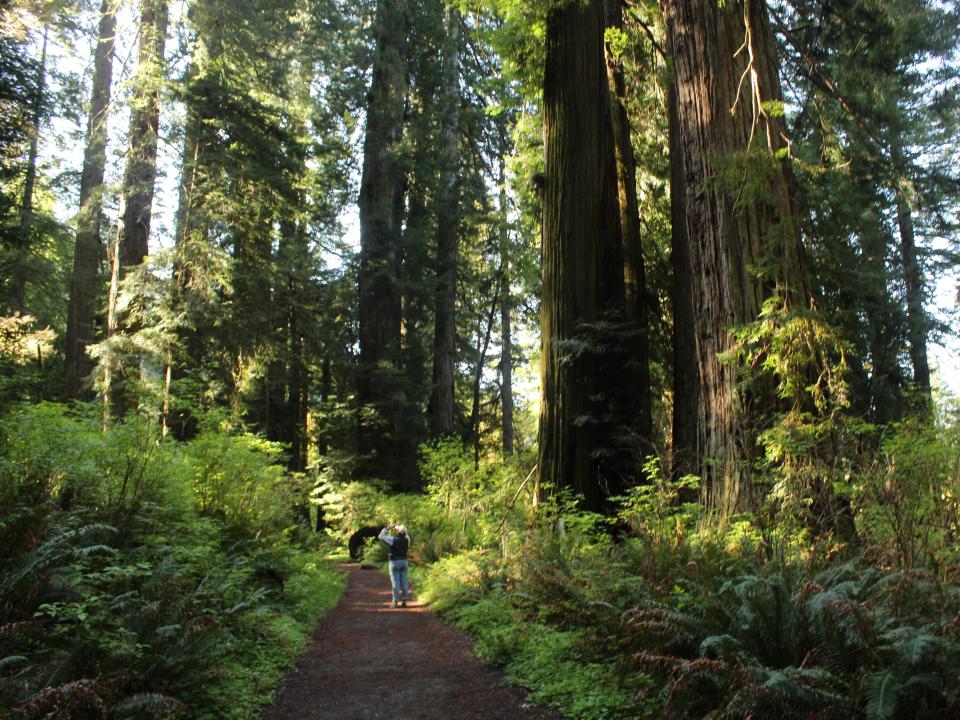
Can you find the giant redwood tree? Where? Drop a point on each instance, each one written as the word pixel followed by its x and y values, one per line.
pixel 738 211
pixel 583 279
pixel 88 248
pixel 445 326
pixel 381 215
pixel 141 171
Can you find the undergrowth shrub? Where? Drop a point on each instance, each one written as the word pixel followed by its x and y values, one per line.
pixel 848 642
pixel 683 617
pixel 908 499
pixel 464 505
pixel 125 591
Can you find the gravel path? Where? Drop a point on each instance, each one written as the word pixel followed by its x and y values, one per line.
pixel 368 661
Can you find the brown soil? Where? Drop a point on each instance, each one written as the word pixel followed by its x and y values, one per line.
pixel 368 661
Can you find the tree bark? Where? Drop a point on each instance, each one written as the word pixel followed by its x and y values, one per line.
pixel 381 210
pixel 22 267
pixel 141 170
pixel 582 262
pixel 473 427
pixel 298 387
pixel 686 383
pixel 883 315
pixel 916 317
pixel 506 334
pixel 725 62
pixel 634 272
pixel 88 252
pixel 445 327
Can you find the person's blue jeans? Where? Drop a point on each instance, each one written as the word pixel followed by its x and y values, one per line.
pixel 398 578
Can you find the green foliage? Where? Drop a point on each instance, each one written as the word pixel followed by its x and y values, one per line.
pixel 849 642
pixel 809 439
pixel 474 496
pixel 683 619
pixel 239 477
pixel 552 663
pixel 908 499
pixel 23 347
pixel 178 605
pixel 661 508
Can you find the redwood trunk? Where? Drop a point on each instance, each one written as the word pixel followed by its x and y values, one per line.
pixel 22 267
pixel 506 334
pixel 88 251
pixel 685 373
pixel 445 326
pixel 582 261
pixel 725 64
pixel 634 272
pixel 380 209
pixel 141 170
pixel 916 318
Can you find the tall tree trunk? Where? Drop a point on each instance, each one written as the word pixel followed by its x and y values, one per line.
pixel 418 296
pixel 381 209
pixel 22 267
pixel 107 388
pixel 883 315
pixel 140 174
pixel 916 317
pixel 582 262
pixel 141 170
pixel 506 308
pixel 88 252
pixel 326 389
pixel 473 427
pixel 448 220
pixel 192 224
pixel 725 62
pixel 686 384
pixel 634 272
pixel 298 387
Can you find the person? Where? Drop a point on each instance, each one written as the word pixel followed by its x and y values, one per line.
pixel 399 545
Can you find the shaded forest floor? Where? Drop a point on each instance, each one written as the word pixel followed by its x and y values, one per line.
pixel 368 661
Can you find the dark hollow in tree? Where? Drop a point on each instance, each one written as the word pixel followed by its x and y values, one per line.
pixel 636 301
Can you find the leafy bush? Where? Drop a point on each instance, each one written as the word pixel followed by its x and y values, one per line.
pixel 121 594
pixel 555 664
pixel 687 619
pixel 908 500
pixel 240 477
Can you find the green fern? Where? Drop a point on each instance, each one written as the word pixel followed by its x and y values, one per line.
pixel 883 693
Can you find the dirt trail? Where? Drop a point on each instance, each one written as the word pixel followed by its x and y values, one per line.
pixel 368 661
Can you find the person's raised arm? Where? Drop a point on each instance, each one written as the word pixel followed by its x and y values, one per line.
pixel 385 536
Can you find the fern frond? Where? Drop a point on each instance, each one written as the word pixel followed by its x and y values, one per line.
pixel 883 692
pixel 721 647
pixel 94 550
pixel 62 700
pixel 912 645
pixel 652 661
pixel 155 703
pixel 11 661
pixel 53 551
